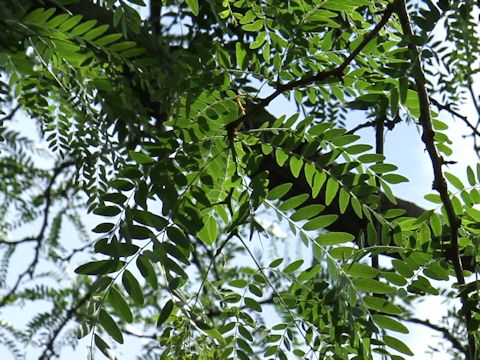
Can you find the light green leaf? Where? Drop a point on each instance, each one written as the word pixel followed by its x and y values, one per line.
pixel 240 54
pixel 318 181
pixel 331 190
pixel 388 323
pixel 319 222
pixel 253 27
pixel 290 268
pixel 372 286
pixel 360 270
pixel 333 238
pixel 307 212
pixel 455 181
pixel 209 233
pixel 293 202
pixel 278 191
pixel 296 164
pixel 193 5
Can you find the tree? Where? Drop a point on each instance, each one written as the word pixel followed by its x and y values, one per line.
pixel 156 122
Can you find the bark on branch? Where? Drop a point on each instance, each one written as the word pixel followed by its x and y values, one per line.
pixel 439 182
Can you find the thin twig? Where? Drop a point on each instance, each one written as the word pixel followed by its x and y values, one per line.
pixel 39 237
pixel 11 114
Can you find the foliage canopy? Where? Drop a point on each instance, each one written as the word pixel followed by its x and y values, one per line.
pixel 156 121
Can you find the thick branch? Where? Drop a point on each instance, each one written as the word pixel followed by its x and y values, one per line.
pixel 439 182
pixel 445 332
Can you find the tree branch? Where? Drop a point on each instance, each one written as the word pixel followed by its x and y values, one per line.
pixel 39 237
pixel 317 78
pixel 445 332
pixel 439 182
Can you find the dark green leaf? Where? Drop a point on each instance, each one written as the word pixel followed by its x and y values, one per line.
pixel 398 345
pixel 333 238
pixel 165 313
pixel 132 287
pixel 110 326
pixel 119 304
pixel 388 323
pixel 100 267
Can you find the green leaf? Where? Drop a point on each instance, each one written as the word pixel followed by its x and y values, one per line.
pixel 178 237
pixel 290 268
pixel 333 238
pixel 259 40
pixel 132 287
pixel 382 305
pixel 238 283
pixel 383 168
pixel 436 224
pixel 104 348
pixel 278 191
pixel 318 181
pixel 149 219
pixel 193 5
pixel 293 202
pixel 402 268
pixel 331 190
pixel 141 158
pixel 471 176
pixel 388 323
pixel 398 345
pixel 147 271
pixel 100 267
pixel 253 27
pixel 394 178
pixel 296 165
pixel 281 156
pixel 110 326
pixel 108 39
pixel 165 313
pixel 83 28
pixel 107 211
pixel 370 158
pixel 372 286
pixel 343 200
pixel 252 304
pixel 319 222
pixel 455 181
pixel 307 212
pixel 103 228
pixel 360 270
pixel 358 149
pixel 240 54
pixel 275 263
pixel 343 5
pixel 94 33
pixel 119 305
pixel 209 233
